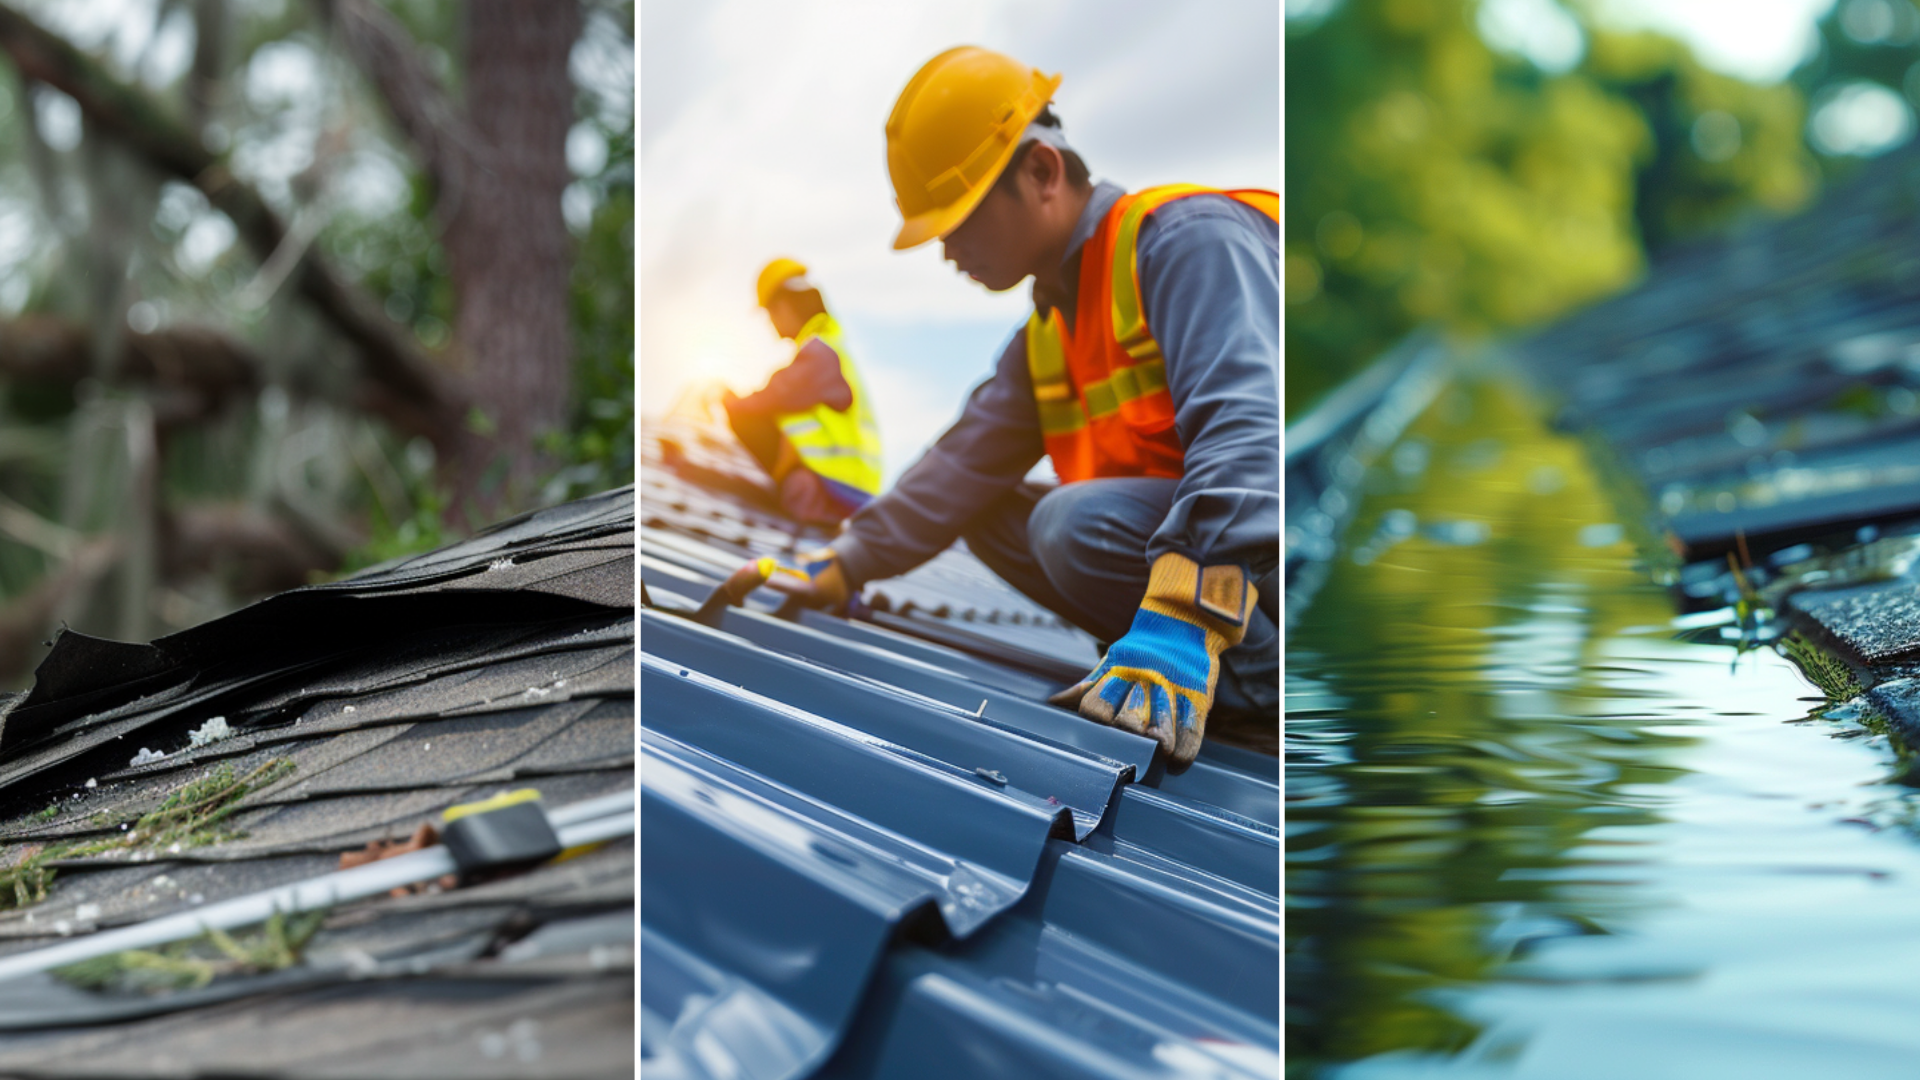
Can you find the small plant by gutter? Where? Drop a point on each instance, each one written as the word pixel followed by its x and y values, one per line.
pixel 1754 613
pixel 1823 669
pixel 1846 698
pixel 189 818
pixel 277 945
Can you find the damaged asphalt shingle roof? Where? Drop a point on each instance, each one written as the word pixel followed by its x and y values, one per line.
pixel 871 849
pixel 363 708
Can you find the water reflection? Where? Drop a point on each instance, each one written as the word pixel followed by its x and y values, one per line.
pixel 1531 832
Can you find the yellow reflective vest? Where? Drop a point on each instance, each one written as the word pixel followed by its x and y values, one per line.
pixel 838 445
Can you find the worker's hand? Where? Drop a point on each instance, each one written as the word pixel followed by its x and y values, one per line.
pixel 1158 679
pixel 815 579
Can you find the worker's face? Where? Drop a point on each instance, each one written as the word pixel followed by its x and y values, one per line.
pixel 1007 236
pixel 786 314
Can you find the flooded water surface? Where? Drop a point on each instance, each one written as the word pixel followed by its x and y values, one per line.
pixel 1535 830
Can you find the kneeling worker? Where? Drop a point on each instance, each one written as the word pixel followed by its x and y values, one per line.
pixel 810 427
pixel 1148 372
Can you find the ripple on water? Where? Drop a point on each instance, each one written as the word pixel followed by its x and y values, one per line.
pixel 1530 832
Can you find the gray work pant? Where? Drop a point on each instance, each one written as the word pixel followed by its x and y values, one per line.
pixel 1079 550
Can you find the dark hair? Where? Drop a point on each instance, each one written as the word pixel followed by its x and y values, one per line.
pixel 1077 173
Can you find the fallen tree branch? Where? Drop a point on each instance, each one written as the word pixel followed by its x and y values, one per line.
pixel 29 528
pixel 257 552
pixel 196 370
pixel 388 355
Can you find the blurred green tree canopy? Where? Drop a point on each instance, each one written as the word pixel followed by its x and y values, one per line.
pixel 1435 179
pixel 292 286
pixel 1863 84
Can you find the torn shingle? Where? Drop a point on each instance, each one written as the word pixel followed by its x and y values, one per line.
pixel 440 679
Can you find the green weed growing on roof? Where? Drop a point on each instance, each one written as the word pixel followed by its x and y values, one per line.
pixel 277 945
pixel 188 818
pixel 189 815
pixel 25 882
pixel 1825 670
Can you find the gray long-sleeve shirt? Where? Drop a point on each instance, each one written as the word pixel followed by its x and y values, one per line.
pixel 1210 283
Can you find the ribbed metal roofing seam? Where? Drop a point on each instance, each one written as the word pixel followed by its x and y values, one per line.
pixel 868 853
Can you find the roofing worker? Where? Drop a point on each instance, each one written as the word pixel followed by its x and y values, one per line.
pixel 810 427
pixel 1148 372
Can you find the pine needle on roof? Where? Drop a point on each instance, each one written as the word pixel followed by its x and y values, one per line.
pixel 188 818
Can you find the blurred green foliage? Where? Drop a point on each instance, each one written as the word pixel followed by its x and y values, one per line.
pixel 1865 45
pixel 402 262
pixel 290 114
pixel 1719 150
pixel 393 533
pixel 1435 180
pixel 596 452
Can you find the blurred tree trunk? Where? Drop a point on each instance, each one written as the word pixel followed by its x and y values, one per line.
pixel 498 165
pixel 499 168
pixel 209 56
pixel 507 245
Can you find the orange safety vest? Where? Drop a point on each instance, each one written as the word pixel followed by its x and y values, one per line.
pixel 1101 386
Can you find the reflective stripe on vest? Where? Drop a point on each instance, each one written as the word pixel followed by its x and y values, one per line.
pixel 840 445
pixel 1101 388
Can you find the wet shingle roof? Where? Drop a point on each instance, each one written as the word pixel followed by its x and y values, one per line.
pixel 1761 396
pixel 359 710
pixel 871 849
pixel 1763 387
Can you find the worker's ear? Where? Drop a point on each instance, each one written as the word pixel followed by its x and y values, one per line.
pixel 1046 170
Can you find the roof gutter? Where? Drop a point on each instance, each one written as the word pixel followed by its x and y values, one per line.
pixel 589 821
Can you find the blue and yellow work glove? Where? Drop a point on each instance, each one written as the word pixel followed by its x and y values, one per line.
pixel 1158 679
pixel 814 580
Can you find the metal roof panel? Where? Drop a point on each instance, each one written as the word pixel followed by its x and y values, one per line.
pixel 883 759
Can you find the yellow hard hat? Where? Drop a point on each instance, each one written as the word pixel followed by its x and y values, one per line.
pixel 952 133
pixel 775 274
